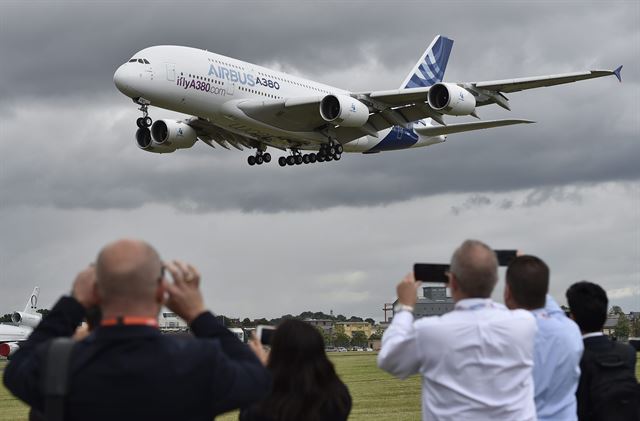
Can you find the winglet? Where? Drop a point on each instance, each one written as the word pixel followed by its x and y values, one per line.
pixel 617 73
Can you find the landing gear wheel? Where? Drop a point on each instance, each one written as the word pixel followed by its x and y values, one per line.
pixel 282 161
pixel 320 158
pixel 267 157
pixel 312 158
pixel 305 159
pixel 298 159
pixel 291 160
pixel 337 157
pixel 329 158
pixel 259 159
pixel 331 150
pixel 140 122
pixel 339 149
pixel 251 160
pixel 147 121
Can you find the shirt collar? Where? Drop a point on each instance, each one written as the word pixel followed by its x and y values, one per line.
pixel 592 335
pixel 474 304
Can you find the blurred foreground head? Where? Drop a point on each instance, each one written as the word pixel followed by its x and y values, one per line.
pixel 128 277
pixel 588 304
pixel 474 266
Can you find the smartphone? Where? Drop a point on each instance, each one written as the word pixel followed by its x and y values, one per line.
pixel 431 272
pixel 265 333
pixel 505 257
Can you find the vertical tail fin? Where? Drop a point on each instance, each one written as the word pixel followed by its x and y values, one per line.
pixel 431 66
pixel 32 302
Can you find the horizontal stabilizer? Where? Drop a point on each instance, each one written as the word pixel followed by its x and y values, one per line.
pixel 466 127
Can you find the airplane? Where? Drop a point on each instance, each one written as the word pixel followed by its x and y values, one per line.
pixel 24 323
pixel 237 104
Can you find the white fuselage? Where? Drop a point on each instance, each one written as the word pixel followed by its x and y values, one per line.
pixel 11 333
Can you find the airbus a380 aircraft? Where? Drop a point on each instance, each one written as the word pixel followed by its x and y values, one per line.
pixel 24 322
pixel 239 104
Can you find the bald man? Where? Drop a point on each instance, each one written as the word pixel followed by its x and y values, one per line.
pixel 126 369
pixel 476 360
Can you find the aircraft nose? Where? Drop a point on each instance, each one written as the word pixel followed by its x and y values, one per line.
pixel 123 79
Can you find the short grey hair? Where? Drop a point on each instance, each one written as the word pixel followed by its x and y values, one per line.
pixel 475 266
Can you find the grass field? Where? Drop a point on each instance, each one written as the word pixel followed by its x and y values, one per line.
pixel 376 395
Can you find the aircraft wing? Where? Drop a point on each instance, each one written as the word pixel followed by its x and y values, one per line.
pixel 398 107
pixel 487 92
pixel 466 127
pixel 521 84
pixel 298 114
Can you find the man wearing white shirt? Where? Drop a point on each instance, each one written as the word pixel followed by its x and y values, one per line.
pixel 475 361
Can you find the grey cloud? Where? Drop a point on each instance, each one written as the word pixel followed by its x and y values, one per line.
pixel 345 259
pixel 71 48
pixel 84 156
pixel 71 177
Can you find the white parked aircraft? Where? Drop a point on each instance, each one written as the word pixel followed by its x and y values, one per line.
pixel 239 104
pixel 24 323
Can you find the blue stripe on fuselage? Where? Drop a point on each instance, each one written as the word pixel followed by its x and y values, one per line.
pixel 398 138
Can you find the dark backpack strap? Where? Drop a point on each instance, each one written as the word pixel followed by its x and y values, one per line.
pixel 56 377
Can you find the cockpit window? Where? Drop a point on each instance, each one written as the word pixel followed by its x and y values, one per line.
pixel 133 60
pixel 140 61
pixel 146 61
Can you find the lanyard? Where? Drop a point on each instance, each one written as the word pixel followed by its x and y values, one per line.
pixel 130 321
pixel 477 306
pixel 542 314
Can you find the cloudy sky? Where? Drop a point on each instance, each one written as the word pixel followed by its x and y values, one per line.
pixel 337 236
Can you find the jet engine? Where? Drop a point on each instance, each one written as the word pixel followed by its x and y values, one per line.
pixel 8 348
pixel 344 110
pixel 166 136
pixel 451 99
pixel 26 319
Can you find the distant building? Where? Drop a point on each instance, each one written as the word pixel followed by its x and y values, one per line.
pixel 327 325
pixel 170 322
pixel 349 328
pixel 610 325
pixel 375 344
pixel 434 302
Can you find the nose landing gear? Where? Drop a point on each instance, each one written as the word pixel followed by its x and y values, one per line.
pixel 145 121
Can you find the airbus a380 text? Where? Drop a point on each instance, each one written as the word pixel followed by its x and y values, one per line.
pixel 242 105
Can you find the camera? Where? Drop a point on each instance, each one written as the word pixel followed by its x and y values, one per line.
pixel 265 334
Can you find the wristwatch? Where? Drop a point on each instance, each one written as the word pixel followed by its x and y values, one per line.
pixel 402 307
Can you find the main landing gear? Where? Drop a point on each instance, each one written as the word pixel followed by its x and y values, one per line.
pixel 259 158
pixel 328 152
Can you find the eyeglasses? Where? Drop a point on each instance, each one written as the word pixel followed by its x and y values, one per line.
pixel 161 275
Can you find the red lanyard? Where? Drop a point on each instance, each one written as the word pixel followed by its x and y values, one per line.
pixel 130 321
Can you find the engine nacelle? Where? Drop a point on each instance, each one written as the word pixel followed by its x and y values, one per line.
pixel 26 319
pixel 344 110
pixel 451 99
pixel 8 348
pixel 166 136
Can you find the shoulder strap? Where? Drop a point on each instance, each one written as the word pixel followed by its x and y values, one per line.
pixel 56 377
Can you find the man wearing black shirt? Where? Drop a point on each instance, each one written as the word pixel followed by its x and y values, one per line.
pixel 126 369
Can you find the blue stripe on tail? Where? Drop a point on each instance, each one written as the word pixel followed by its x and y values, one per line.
pixel 431 70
